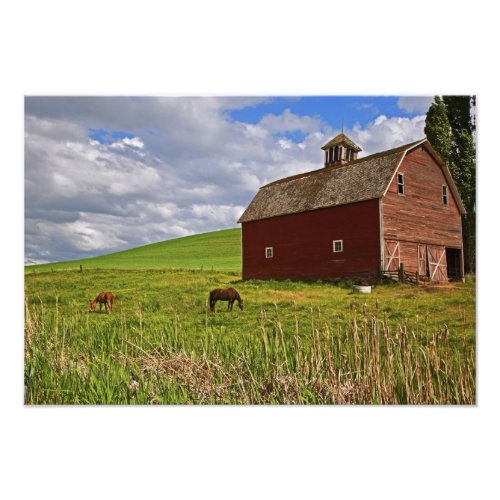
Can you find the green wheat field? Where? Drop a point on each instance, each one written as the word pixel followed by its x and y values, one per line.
pixel 294 342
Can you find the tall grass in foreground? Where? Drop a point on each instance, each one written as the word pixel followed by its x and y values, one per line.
pixel 360 358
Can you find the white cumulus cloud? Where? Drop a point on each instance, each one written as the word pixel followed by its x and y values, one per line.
pixel 387 133
pixel 417 104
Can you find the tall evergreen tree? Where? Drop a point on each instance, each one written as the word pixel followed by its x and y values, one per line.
pixel 438 130
pixel 450 128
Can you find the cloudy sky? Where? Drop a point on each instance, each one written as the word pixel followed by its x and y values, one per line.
pixel 104 174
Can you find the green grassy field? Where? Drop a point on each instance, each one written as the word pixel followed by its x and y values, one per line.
pixel 219 250
pixel 294 342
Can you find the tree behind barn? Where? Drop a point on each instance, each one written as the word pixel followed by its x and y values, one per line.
pixel 450 128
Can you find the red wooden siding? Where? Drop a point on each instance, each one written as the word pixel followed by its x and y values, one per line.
pixel 419 216
pixel 303 244
pixel 409 256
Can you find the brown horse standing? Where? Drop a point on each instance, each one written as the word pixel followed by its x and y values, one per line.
pixel 228 294
pixel 106 298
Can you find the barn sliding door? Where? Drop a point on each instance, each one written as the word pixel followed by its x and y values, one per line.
pixel 422 260
pixel 392 256
pixel 436 256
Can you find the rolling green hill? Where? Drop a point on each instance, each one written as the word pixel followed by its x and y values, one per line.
pixel 220 250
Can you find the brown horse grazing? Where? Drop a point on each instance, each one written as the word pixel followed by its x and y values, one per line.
pixel 228 294
pixel 106 298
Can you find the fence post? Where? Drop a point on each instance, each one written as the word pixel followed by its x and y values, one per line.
pixel 81 268
pixel 401 273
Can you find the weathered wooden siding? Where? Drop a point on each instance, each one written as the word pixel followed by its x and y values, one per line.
pixel 409 256
pixel 303 244
pixel 419 215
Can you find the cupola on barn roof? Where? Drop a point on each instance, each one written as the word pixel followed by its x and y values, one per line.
pixel 340 150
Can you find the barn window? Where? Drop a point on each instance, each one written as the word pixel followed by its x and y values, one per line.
pixel 445 195
pixel 338 246
pixel 401 184
pixel 269 252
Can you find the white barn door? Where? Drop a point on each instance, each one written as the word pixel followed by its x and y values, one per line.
pixel 392 255
pixel 437 263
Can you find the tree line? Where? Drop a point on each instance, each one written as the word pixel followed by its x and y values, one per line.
pixel 450 127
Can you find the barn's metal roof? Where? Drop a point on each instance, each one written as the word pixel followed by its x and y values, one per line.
pixel 363 179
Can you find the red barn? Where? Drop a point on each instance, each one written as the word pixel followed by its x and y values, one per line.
pixel 355 218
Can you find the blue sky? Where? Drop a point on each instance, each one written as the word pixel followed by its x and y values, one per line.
pixel 108 136
pixel 332 109
pixel 337 111
pixel 104 174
